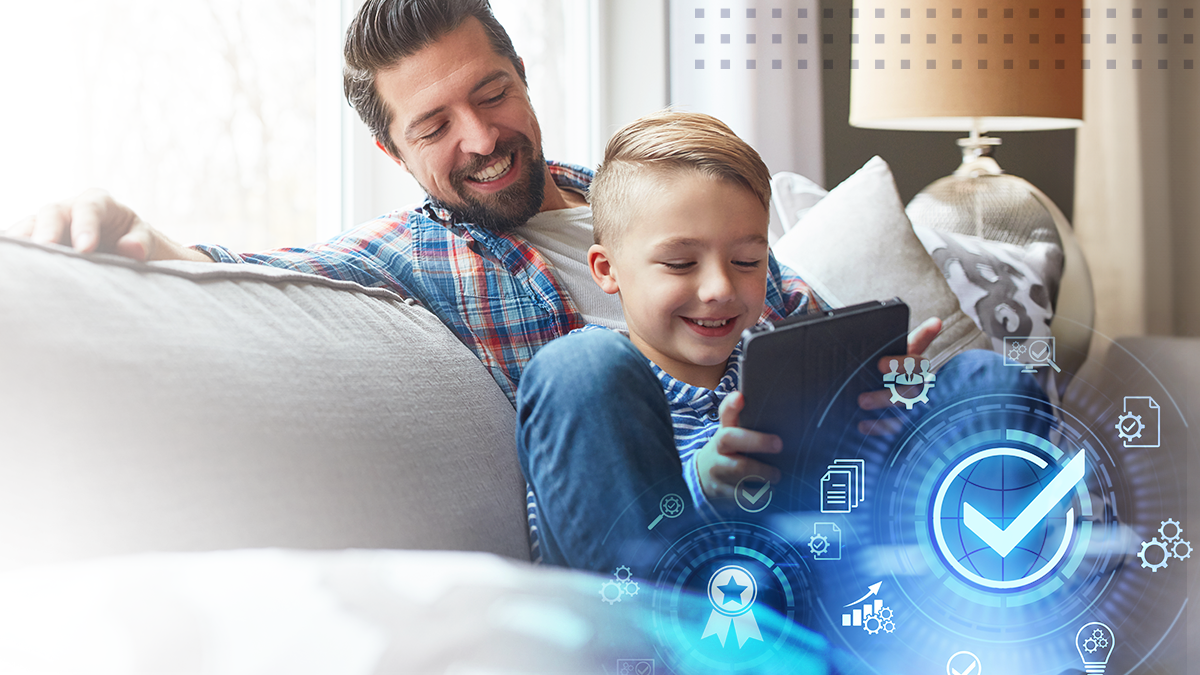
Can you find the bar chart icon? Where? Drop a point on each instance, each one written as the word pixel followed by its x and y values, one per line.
pixel 857 616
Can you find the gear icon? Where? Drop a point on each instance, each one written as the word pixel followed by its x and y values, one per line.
pixel 818 544
pixel 631 588
pixel 1091 645
pixel 872 624
pixel 889 626
pixel 1136 433
pixel 1187 549
pixel 1166 555
pixel 1170 522
pixel 623 573
pixel 1017 349
pixel 611 592
pixel 885 613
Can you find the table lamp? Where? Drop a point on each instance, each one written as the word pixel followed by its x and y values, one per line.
pixel 981 66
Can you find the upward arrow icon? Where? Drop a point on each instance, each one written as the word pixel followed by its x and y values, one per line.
pixel 874 590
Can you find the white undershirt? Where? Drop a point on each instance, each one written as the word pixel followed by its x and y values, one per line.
pixel 563 236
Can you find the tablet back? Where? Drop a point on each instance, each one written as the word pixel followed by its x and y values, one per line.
pixel 801 378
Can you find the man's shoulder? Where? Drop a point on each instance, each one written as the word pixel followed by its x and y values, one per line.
pixel 570 175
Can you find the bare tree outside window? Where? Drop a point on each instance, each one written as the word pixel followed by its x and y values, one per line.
pixel 200 113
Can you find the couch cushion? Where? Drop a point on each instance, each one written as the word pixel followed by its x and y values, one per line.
pixel 185 406
pixel 857 245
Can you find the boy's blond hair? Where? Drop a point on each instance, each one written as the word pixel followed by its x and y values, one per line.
pixel 664 143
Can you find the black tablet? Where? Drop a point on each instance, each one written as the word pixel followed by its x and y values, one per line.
pixel 801 378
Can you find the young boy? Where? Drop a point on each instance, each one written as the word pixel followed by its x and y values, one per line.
pixel 680 212
pixel 680 209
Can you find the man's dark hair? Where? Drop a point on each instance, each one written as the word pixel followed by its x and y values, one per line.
pixel 385 31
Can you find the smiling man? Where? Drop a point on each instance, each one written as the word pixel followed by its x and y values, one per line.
pixel 497 252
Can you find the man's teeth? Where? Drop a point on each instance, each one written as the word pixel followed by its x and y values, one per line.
pixel 711 324
pixel 493 172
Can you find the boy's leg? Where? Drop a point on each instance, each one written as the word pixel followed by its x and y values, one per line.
pixel 981 372
pixel 596 444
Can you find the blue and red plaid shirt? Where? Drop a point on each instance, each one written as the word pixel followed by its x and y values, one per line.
pixel 495 291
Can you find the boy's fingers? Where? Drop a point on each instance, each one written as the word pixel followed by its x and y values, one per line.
pixel 918 341
pixel 888 426
pixel 731 409
pixel 736 441
pixel 733 469
pixel 921 336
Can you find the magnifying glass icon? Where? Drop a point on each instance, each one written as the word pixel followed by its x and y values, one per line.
pixel 670 506
pixel 1042 351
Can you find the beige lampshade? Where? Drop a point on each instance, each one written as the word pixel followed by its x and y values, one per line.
pixel 940 65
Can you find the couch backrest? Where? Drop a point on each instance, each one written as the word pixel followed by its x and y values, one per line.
pixel 185 406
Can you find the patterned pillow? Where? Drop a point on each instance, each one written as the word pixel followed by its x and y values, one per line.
pixel 1008 290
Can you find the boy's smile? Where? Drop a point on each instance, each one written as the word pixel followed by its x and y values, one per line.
pixel 691 268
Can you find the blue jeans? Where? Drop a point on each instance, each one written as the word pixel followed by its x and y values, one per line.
pixel 596 444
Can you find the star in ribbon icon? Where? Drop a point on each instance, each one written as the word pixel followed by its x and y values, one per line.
pixel 738 619
pixel 731 588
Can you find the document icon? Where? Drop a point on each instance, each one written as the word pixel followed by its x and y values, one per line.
pixel 826 542
pixel 842 486
pixel 1138 424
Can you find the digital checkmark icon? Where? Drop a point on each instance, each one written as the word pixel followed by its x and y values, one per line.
pixel 752 500
pixel 959 660
pixel 1003 541
pixel 970 669
pixel 753 497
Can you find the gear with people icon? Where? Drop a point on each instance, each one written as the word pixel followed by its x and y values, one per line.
pixel 909 378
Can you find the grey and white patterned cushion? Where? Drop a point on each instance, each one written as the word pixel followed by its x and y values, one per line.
pixel 1008 290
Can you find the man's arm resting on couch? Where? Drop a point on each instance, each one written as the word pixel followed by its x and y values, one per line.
pixel 94 221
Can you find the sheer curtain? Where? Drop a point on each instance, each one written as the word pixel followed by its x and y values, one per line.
pixel 1137 205
pixel 198 113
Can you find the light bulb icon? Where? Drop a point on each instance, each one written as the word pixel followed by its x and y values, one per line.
pixel 1095 644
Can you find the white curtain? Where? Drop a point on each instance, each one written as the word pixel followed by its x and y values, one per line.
pixel 1137 203
pixel 742 64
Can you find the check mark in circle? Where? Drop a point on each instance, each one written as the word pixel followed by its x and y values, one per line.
pixel 751 496
pixel 967 661
pixel 1003 541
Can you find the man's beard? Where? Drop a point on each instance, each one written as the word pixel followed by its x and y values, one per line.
pixel 510 208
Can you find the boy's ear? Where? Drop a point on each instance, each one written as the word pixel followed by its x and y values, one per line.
pixel 393 157
pixel 602 270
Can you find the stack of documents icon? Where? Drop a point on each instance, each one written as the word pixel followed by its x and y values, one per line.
pixel 842 486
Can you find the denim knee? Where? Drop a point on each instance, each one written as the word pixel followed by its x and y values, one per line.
pixel 594 364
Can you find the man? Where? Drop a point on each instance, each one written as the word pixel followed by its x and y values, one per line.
pixel 498 250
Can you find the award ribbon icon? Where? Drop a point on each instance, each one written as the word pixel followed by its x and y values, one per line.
pixel 732 591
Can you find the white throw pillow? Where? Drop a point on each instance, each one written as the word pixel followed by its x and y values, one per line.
pixel 857 245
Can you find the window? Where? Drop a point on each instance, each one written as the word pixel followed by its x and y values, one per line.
pixel 199 113
pixel 223 120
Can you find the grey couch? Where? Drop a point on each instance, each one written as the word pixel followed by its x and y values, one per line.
pixel 178 407
pixel 188 407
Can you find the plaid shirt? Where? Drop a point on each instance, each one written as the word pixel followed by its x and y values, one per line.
pixel 495 291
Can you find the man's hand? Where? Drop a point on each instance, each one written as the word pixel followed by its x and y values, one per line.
pixel 722 462
pixel 94 221
pixel 918 342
